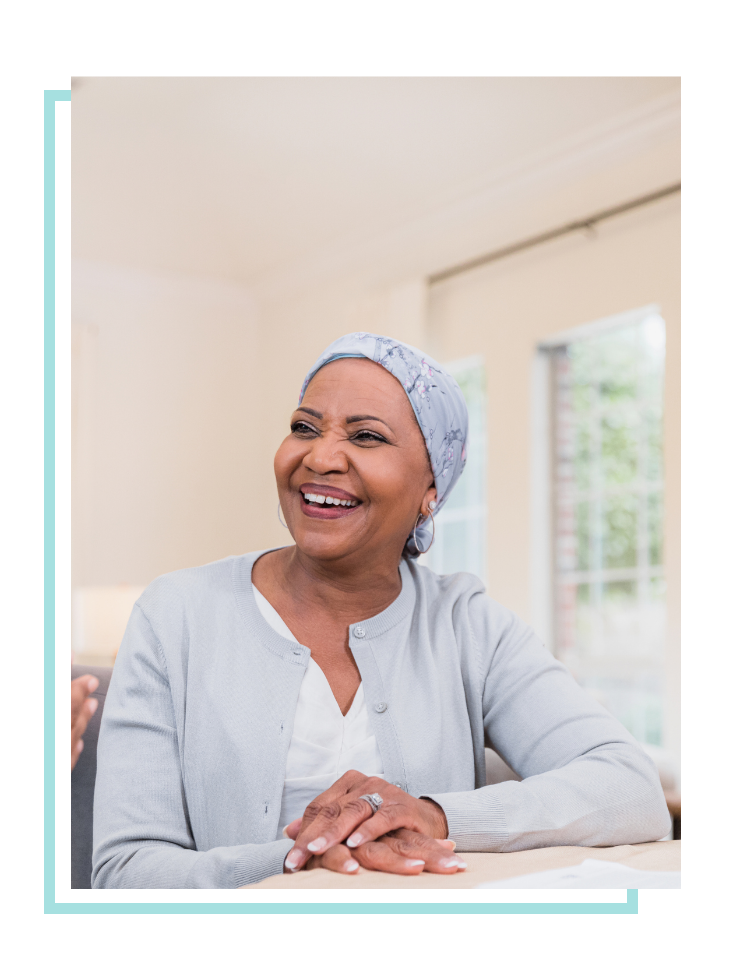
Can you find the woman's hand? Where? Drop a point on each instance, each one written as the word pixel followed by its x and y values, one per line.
pixel 402 852
pixel 339 815
pixel 83 709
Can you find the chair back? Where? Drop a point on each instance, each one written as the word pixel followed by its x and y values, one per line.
pixel 83 783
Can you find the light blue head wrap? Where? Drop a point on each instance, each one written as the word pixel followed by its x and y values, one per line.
pixel 436 400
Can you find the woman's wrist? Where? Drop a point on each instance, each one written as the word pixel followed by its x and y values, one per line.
pixel 436 816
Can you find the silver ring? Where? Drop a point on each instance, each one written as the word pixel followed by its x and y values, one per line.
pixel 374 800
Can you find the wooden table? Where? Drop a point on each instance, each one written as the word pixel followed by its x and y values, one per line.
pixel 664 856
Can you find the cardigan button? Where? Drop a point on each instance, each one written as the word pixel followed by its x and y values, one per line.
pixel 380 707
pixel 359 632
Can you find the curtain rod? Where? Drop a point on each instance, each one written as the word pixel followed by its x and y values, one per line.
pixel 584 224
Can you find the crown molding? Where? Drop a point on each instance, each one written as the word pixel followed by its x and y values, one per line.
pixel 89 274
pixel 436 238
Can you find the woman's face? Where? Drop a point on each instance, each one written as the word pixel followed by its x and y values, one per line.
pixel 354 439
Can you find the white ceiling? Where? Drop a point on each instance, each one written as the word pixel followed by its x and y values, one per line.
pixel 246 178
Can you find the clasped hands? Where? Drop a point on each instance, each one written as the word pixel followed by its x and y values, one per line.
pixel 339 831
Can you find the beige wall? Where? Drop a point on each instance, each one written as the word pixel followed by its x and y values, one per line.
pixel 502 311
pixel 165 424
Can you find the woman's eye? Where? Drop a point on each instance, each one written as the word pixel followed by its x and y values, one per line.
pixel 368 436
pixel 299 427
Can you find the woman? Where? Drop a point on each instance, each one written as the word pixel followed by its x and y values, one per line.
pixel 329 703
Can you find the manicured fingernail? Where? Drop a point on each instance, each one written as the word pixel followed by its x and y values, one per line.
pixel 292 860
pixel 452 863
pixel 351 865
pixel 413 862
pixel 80 746
pixel 92 706
pixel 354 841
pixel 93 683
pixel 317 844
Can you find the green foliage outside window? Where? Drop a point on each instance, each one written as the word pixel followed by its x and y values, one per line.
pixel 609 525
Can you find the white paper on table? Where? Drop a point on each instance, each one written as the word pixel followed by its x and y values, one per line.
pixel 594 873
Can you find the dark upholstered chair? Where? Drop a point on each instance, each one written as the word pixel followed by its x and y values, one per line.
pixel 83 784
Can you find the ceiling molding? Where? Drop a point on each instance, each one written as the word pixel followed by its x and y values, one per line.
pixel 90 275
pixel 588 224
pixel 438 237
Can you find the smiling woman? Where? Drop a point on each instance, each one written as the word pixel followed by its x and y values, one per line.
pixel 328 703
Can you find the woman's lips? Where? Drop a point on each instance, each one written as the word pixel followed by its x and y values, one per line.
pixel 327 491
pixel 314 502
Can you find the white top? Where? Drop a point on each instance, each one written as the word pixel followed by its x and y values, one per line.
pixel 325 744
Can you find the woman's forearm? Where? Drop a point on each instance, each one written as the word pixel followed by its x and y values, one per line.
pixel 131 865
pixel 610 796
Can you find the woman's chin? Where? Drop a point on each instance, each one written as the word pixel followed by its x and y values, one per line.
pixel 317 548
pixel 327 541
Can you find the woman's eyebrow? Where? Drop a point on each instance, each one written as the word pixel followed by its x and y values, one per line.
pixel 365 417
pixel 353 419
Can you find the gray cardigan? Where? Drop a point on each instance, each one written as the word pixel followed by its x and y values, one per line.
pixel 198 720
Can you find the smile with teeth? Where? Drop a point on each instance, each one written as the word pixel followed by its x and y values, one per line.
pixel 327 500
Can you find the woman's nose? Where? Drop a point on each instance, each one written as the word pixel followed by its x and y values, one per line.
pixel 326 455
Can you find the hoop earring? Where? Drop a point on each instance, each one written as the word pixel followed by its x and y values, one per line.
pixel 414 534
pixel 278 515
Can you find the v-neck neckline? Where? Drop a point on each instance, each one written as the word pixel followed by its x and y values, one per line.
pixel 353 709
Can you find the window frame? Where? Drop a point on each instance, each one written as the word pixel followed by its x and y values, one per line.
pixel 545 575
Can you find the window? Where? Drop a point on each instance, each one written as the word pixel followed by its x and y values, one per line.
pixel 607 460
pixel 460 526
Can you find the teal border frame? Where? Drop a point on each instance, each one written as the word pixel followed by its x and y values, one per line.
pixel 368 909
pixel 32 863
pixel 51 97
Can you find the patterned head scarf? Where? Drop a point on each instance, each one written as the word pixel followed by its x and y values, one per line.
pixel 436 400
